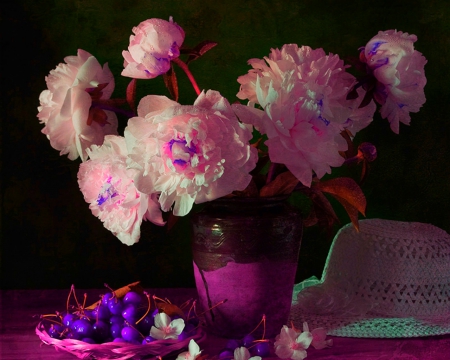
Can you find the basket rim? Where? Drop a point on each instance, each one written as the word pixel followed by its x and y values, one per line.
pixel 117 350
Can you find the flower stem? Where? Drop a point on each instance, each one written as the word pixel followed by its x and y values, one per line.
pixel 185 68
pixel 354 160
pixel 271 173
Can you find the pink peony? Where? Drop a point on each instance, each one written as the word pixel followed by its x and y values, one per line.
pixel 189 154
pixel 71 124
pixel 108 187
pixel 155 43
pixel 304 96
pixel 399 70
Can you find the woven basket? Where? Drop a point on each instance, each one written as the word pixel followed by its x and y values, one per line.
pixel 116 350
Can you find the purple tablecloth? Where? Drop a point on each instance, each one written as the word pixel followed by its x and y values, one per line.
pixel 19 341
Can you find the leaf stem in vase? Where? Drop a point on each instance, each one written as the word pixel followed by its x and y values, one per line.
pixel 185 68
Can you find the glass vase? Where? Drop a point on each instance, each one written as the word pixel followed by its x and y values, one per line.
pixel 245 255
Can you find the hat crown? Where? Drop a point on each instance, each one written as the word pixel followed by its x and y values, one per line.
pixel 401 269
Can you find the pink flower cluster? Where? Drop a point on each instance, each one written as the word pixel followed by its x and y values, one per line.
pixel 189 154
pixel 303 94
pixel 173 156
pixel 400 75
pixel 108 187
pixel 71 124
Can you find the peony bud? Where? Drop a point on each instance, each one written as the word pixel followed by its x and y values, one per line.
pixel 154 44
pixel 367 151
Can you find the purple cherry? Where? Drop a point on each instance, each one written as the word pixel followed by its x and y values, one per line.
pixel 106 297
pixel 68 320
pixel 102 312
pixel 148 340
pixel 83 328
pixel 88 340
pixel 116 319
pixel 130 313
pixel 116 330
pixel 100 330
pixel 132 297
pixel 262 349
pixel 233 344
pixel 115 306
pixel 226 354
pixel 55 331
pixel 130 334
pixel 146 324
pixel 248 340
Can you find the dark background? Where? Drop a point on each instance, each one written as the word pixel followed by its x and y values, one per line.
pixel 50 239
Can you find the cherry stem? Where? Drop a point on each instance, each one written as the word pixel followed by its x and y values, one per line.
pixel 84 303
pixel 212 307
pixel 154 300
pixel 131 326
pixel 190 309
pixel 158 298
pixel 263 321
pixel 110 289
pixel 185 68
pixel 166 301
pixel 75 297
pixel 148 308
pixel 68 298
pixel 98 310
pixel 264 326
pixel 53 321
pixel 258 341
pixel 46 317
pixel 186 303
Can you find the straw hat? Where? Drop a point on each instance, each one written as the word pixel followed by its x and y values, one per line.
pixel 389 280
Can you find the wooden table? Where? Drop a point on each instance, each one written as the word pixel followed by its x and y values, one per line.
pixel 20 310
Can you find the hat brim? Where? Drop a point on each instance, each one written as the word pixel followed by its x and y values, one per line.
pixel 368 325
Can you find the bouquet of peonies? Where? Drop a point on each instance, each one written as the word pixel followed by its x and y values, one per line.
pixel 303 111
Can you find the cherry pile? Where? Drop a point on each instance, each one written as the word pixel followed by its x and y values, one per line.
pixel 116 319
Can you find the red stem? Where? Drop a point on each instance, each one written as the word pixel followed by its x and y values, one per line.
pixel 271 173
pixel 185 68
